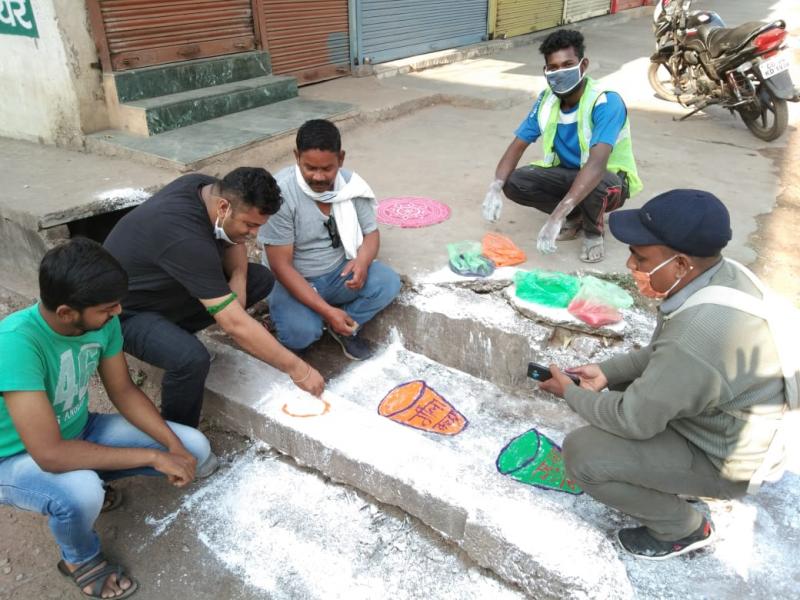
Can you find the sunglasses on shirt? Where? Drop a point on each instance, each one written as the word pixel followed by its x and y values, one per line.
pixel 333 232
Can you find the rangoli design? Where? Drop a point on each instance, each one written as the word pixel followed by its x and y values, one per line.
pixel 534 459
pixel 418 405
pixel 308 406
pixel 412 211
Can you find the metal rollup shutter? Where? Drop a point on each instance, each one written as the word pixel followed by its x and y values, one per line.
pixel 577 10
pixel 150 32
pixel 309 40
pixel 618 5
pixel 391 29
pixel 517 17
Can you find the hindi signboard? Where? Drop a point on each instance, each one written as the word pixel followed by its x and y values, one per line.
pixel 16 18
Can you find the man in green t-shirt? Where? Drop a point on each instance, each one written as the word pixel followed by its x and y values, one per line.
pixel 55 454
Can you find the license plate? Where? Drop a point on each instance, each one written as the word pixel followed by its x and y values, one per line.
pixel 772 66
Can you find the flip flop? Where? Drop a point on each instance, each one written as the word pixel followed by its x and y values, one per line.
pixel 84 576
pixel 589 244
pixel 112 499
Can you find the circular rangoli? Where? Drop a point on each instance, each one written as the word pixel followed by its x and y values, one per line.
pixel 412 211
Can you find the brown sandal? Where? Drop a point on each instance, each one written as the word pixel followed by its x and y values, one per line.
pixel 112 499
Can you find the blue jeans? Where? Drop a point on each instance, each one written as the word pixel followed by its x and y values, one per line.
pixel 298 326
pixel 72 500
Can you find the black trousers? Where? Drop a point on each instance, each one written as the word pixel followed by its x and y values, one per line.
pixel 151 337
pixel 543 188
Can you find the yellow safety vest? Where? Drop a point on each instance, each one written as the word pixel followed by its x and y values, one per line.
pixel 621 158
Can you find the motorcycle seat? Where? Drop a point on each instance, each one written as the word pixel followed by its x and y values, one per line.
pixel 719 40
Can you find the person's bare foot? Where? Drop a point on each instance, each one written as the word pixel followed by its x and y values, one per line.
pixel 114 585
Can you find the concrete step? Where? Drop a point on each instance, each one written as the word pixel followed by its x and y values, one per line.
pixel 529 537
pixel 151 116
pixel 551 545
pixel 149 82
pixel 194 146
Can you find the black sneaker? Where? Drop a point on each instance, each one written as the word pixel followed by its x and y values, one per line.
pixel 639 542
pixel 353 346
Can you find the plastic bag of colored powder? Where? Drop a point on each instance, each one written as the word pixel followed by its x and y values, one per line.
pixel 466 259
pixel 604 292
pixel 594 313
pixel 501 250
pixel 548 288
pixel 597 301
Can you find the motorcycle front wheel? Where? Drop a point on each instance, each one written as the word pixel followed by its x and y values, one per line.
pixel 661 81
pixel 769 121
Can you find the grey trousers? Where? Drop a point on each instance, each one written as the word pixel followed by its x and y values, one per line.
pixel 643 478
pixel 543 188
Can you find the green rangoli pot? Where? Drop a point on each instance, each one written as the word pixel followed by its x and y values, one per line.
pixel 534 459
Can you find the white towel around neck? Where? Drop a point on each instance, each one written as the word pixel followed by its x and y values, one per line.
pixel 344 213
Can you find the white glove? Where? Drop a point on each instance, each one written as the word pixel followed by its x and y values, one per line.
pixel 546 242
pixel 493 202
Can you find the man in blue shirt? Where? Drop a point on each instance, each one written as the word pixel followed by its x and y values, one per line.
pixel 588 168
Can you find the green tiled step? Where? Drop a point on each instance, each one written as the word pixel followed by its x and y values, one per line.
pixel 149 82
pixel 193 146
pixel 173 111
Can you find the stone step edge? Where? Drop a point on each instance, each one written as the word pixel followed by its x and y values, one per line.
pixel 240 395
pixel 269 147
pixel 262 57
pixel 213 91
pixel 153 120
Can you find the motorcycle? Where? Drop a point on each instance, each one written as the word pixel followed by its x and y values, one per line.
pixel 699 62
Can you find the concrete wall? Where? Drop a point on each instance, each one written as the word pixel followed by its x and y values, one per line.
pixel 50 92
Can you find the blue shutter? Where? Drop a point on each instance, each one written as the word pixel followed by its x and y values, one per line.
pixel 392 29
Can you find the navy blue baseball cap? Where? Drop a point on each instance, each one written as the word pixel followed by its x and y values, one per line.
pixel 690 221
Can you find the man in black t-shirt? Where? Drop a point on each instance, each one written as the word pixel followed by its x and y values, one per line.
pixel 187 267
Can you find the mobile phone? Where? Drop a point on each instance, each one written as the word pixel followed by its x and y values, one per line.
pixel 539 372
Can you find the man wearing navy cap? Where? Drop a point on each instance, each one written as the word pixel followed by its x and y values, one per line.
pixel 693 413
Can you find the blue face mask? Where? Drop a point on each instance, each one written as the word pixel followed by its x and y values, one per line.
pixel 563 81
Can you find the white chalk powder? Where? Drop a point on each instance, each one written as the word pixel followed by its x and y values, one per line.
pixel 132 195
pixel 294 535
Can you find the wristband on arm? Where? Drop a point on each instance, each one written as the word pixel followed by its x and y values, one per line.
pixel 213 310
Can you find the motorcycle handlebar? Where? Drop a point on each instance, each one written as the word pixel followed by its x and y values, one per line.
pixel 681 14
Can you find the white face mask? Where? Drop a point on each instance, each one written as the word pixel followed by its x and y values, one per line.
pixel 219 231
pixel 563 81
